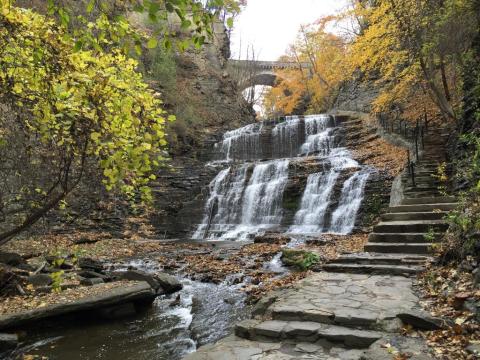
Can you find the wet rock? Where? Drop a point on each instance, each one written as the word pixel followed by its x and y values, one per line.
pixel 11 259
pixel 138 275
pixel 168 282
pixel 263 304
pixel 8 342
pixel 91 281
pixel 420 320
pixel 473 349
pixel 89 274
pixel 40 280
pixel 176 302
pixel 90 264
pixel 272 238
pixel 118 311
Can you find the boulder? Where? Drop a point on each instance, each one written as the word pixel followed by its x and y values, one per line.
pixel 12 259
pixel 90 264
pixel 169 283
pixel 89 274
pixel 272 238
pixel 91 281
pixel 138 275
pixel 473 349
pixel 40 280
pixel 8 342
pixel 421 320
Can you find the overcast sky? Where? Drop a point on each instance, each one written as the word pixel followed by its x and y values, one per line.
pixel 271 25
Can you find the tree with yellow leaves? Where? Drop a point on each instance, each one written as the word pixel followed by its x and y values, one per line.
pixel 311 86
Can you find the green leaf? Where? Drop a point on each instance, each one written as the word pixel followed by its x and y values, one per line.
pixel 152 43
pixel 230 22
pixel 90 6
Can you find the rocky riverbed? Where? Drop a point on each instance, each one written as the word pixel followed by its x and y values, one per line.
pixel 219 280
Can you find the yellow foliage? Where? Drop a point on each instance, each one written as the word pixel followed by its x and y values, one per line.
pixel 84 102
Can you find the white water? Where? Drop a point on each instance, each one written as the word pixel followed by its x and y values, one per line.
pixel 262 200
pixel 286 138
pixel 241 144
pixel 343 218
pixel 247 199
pixel 315 200
pixel 320 135
pixel 226 192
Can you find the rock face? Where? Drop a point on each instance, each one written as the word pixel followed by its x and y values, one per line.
pixel 40 280
pixel 11 259
pixel 8 342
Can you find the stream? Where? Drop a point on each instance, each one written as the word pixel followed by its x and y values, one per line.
pixel 170 329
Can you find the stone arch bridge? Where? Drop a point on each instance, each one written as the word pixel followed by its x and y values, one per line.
pixel 253 72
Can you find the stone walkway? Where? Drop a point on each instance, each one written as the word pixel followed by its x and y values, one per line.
pixel 357 306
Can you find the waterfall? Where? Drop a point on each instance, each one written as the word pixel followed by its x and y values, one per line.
pixel 287 137
pixel 247 198
pixel 241 144
pixel 235 209
pixel 320 135
pixel 226 191
pixel 343 218
pixel 315 201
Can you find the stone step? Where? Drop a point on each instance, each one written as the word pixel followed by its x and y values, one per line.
pixel 422 208
pixel 399 248
pixel 416 194
pixel 375 269
pixel 402 237
pixel 381 259
pixel 429 200
pixel 398 216
pixel 305 331
pixel 420 187
pixel 410 226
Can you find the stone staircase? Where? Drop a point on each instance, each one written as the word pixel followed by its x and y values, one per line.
pixel 402 242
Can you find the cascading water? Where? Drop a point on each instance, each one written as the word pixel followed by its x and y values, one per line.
pixel 226 192
pixel 286 138
pixel 241 144
pixel 248 198
pixel 343 219
pixel 316 198
pixel 320 135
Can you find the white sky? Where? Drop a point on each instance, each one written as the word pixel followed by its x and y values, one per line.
pixel 271 25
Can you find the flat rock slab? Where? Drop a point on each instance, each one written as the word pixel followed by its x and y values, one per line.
pixel 346 299
pixel 234 348
pixel 138 291
pixel 411 348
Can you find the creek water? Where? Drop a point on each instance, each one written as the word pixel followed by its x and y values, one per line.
pixel 168 330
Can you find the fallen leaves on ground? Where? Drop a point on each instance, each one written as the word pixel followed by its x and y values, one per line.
pixel 446 289
pixel 16 304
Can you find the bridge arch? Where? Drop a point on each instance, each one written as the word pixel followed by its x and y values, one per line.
pixel 252 73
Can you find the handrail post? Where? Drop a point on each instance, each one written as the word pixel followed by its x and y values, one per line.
pixel 412 173
pixel 408 161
